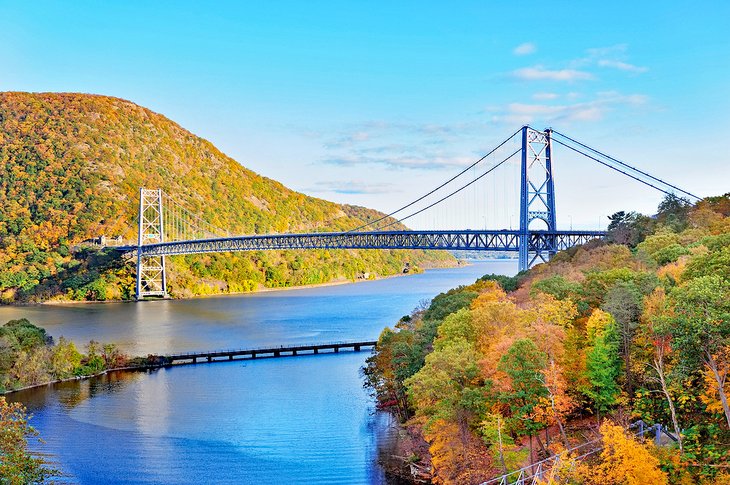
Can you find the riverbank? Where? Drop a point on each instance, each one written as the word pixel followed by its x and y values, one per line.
pixel 253 421
pixel 80 378
pixel 263 289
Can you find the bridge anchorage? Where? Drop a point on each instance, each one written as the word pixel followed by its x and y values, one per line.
pixel 167 228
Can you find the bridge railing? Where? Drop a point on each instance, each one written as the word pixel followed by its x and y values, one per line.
pixel 545 469
pixel 273 348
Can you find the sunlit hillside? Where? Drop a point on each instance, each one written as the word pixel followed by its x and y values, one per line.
pixel 71 166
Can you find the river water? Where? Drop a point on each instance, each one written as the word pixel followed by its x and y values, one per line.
pixel 290 420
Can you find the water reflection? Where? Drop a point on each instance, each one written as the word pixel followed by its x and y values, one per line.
pixel 289 420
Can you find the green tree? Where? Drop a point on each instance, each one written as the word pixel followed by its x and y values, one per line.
pixel 602 361
pixel 449 386
pixel 65 359
pixel 456 326
pixel 629 228
pixel 624 302
pixel 673 212
pixel 524 364
pixel 701 330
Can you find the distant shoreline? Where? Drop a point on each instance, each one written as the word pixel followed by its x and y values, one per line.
pixel 460 262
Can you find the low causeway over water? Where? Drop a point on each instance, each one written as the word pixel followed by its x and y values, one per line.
pixel 281 351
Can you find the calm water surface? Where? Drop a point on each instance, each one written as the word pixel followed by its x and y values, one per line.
pixel 297 420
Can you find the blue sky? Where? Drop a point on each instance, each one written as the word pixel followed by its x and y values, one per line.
pixel 374 103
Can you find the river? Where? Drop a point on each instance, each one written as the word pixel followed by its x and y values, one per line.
pixel 289 420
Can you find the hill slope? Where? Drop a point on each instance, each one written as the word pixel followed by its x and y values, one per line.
pixel 70 169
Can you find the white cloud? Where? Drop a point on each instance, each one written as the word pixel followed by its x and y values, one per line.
pixel 622 66
pixel 354 187
pixel 400 162
pixel 613 57
pixel 545 96
pixel 595 110
pixel 524 49
pixel 538 73
pixel 350 139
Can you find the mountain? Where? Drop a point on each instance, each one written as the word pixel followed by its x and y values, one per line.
pixel 71 166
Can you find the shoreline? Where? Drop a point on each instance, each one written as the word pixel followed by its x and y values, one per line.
pixel 81 378
pixel 460 262
pixel 215 295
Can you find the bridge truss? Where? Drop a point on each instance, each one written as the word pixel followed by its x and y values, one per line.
pixel 167 228
pixel 470 240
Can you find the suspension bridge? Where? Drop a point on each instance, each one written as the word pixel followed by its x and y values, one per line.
pixel 168 228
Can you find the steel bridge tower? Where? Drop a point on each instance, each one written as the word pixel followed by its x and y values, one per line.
pixel 151 276
pixel 537 193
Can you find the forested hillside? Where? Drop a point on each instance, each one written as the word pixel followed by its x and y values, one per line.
pixel 507 371
pixel 71 166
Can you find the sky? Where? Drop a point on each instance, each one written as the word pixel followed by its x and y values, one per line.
pixel 375 103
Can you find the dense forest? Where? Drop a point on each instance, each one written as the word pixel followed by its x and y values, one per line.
pixel 494 376
pixel 71 166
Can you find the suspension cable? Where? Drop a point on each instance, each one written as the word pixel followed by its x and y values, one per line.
pixel 626 165
pixel 614 168
pixel 454 192
pixel 437 188
pixel 182 212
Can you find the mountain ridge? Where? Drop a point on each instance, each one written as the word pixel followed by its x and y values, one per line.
pixel 71 166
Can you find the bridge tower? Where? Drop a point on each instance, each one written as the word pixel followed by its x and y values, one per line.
pixel 151 276
pixel 537 193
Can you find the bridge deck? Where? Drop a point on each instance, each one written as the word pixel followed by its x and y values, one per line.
pixel 486 240
pixel 281 351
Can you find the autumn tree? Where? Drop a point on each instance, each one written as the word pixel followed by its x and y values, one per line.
pixel 657 318
pixel 449 386
pixel 448 396
pixel 623 461
pixel 65 359
pixel 555 406
pixel 504 449
pixel 701 329
pixel 17 465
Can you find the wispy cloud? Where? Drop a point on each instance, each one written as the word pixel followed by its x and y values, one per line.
pixel 524 49
pixel 354 187
pixel 349 139
pixel 622 66
pixel 539 73
pixel 613 57
pixel 545 96
pixel 594 110
pixel 400 162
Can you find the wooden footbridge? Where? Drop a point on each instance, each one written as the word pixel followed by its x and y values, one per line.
pixel 263 352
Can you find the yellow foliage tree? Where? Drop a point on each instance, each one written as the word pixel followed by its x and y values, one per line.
pixel 454 459
pixel 623 461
